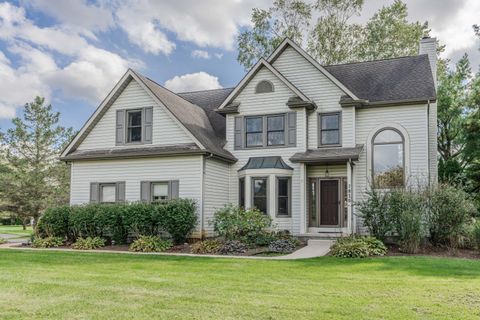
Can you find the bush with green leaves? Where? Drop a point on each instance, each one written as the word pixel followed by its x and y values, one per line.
pixel 375 214
pixel 233 247
pixel 2 240
pixel 476 234
pixel 209 246
pixel 237 223
pixel 358 247
pixel 150 244
pixel 178 217
pixel 450 210
pixel 89 243
pixel 54 222
pixel 282 246
pixel 48 242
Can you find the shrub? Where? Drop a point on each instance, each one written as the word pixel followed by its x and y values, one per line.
pixel 357 247
pixel 450 210
pixel 236 223
pixel 150 244
pixel 54 222
pixel 206 247
pixel 88 243
pixel 281 246
pixel 233 247
pixel 476 234
pixel 178 218
pixel 374 212
pixel 48 242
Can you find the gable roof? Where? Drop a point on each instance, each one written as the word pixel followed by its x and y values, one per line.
pixel 249 76
pixel 397 79
pixel 191 117
pixel 209 101
pixel 288 42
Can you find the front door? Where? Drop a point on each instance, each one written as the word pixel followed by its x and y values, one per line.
pixel 324 198
pixel 329 202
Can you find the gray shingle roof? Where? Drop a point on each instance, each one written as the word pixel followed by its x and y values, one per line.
pixel 273 162
pixel 191 116
pixel 328 155
pixel 406 78
pixel 133 152
pixel 209 101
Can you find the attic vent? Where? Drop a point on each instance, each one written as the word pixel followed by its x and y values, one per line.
pixel 264 86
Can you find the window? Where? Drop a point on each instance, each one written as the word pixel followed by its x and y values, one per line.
pixel 329 129
pixel 159 191
pixel 283 196
pixel 134 126
pixel 264 86
pixel 276 130
pixel 241 192
pixel 388 159
pixel 108 192
pixel 254 131
pixel 260 192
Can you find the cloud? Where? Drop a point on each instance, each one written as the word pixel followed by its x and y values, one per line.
pixel 193 82
pixel 219 55
pixel 201 54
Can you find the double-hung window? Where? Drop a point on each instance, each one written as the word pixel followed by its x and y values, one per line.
pixel 108 192
pixel 134 126
pixel 329 129
pixel 260 194
pixel 254 131
pixel 241 192
pixel 283 196
pixel 263 131
pixel 159 191
pixel 276 130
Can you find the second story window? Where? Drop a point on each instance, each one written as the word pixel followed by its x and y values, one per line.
pixel 329 129
pixel 276 130
pixel 254 131
pixel 134 126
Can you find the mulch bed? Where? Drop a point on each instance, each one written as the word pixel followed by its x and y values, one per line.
pixel 393 250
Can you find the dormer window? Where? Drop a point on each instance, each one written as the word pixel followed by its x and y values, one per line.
pixel 264 86
pixel 134 126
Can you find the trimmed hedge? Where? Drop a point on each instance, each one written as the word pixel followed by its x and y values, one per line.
pixel 119 222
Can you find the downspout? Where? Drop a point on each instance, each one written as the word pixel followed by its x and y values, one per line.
pixel 352 220
pixel 204 173
pixel 428 141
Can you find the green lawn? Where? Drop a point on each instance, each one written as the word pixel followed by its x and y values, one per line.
pixel 16 230
pixel 65 285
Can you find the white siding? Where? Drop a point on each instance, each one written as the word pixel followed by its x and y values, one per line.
pixel 275 102
pixel 187 169
pixel 413 119
pixel 316 86
pixel 166 131
pixel 334 171
pixel 216 186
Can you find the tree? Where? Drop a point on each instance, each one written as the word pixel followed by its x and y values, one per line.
pixel 332 38
pixel 452 101
pixel 35 178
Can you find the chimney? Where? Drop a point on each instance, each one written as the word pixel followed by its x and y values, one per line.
pixel 429 46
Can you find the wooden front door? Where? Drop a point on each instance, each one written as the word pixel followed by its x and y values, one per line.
pixel 329 202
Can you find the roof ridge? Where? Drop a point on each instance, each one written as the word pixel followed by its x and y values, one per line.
pixel 205 90
pixel 378 60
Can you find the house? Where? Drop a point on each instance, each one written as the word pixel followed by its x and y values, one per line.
pixel 300 141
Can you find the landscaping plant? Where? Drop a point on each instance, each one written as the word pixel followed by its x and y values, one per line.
pixel 178 217
pixel 48 242
pixel 237 223
pixel 210 246
pixel 374 212
pixel 233 247
pixel 476 234
pixel 150 244
pixel 282 246
pixel 89 243
pixel 358 247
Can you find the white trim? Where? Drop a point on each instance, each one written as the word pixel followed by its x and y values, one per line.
pixel 265 172
pixel 315 63
pixel 249 76
pixel 406 150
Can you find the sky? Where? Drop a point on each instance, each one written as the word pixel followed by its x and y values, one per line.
pixel 73 52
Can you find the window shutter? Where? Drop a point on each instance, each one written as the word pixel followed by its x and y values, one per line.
pixel 94 192
pixel 173 189
pixel 120 128
pixel 291 129
pixel 145 189
pixel 147 124
pixel 238 128
pixel 121 191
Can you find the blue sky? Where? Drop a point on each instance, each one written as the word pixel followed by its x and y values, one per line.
pixel 73 51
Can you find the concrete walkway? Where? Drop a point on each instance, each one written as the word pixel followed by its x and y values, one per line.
pixel 315 248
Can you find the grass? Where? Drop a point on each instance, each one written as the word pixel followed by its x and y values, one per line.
pixel 68 285
pixel 16 230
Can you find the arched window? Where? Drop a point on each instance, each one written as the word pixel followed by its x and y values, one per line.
pixel 388 159
pixel 264 86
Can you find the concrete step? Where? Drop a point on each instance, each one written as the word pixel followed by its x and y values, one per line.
pixel 317 242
